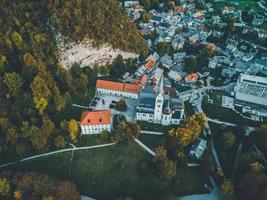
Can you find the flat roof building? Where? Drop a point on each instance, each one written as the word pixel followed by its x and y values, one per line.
pixel 251 89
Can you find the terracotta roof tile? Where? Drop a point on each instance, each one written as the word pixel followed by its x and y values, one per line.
pixel 150 64
pixel 117 86
pixel 131 88
pixel 95 117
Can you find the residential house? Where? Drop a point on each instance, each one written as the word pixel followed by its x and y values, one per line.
pixel 94 122
pixel 198 148
pixel 178 43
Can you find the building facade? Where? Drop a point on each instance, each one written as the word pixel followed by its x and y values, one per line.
pixel 127 90
pixel 94 122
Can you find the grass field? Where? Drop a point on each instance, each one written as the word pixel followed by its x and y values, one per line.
pixel 153 141
pixel 154 127
pixel 113 171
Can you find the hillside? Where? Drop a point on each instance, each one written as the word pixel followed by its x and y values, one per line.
pixel 36 95
pixel 104 21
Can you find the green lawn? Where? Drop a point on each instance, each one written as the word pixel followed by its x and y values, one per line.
pixel 153 141
pixel 154 127
pixel 227 115
pixel 109 172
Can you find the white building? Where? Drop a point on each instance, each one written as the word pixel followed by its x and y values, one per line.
pixel 156 107
pixel 251 89
pixel 198 148
pixel 94 122
pixel 127 90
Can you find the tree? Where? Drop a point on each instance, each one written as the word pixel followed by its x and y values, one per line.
pixel 145 16
pixel 47 126
pixel 168 170
pixel 2 61
pixel 252 186
pixel 12 136
pixel 227 188
pixel 60 142
pixel 125 132
pixel 40 104
pixel 17 39
pixel 121 105
pixel 17 195
pixel 257 167
pixel 29 61
pixel 190 130
pixel 227 140
pixel 39 140
pixel 161 154
pixel 73 130
pixel 4 186
pixel 208 50
pixel 66 190
pixel 163 48
pixel 40 89
pixel 13 82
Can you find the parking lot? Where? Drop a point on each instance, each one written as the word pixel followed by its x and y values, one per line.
pixel 103 102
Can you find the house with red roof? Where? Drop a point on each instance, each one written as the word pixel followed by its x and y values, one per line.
pixel 94 122
pixel 128 90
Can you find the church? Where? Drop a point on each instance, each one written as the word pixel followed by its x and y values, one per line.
pixel 156 106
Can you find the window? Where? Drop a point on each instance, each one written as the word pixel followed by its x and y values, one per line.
pixel 158 106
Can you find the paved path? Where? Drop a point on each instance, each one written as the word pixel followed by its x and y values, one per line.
pixel 144 147
pixel 152 132
pixel 55 152
pixel 79 106
pixel 221 122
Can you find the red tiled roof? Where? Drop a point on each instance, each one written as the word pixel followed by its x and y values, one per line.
pixel 128 87
pixel 109 85
pixel 192 77
pixel 143 79
pixel 178 9
pixel 150 64
pixel 95 117
pixel 117 86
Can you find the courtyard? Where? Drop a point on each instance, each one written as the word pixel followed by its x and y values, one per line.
pixel 105 102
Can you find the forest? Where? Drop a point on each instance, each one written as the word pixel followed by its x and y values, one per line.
pixel 35 92
pixel 33 185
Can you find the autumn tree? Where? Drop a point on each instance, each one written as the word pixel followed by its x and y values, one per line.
pixel 227 188
pixel 66 190
pixel 73 129
pixel 13 82
pixel 168 170
pixel 190 130
pixel 227 140
pixel 4 186
pixel 121 105
pixel 41 93
pixel 160 154
pixel 257 167
pixel 60 141
pixel 17 39
pixel 3 61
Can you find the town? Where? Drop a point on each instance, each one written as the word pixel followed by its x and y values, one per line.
pixel 133 99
